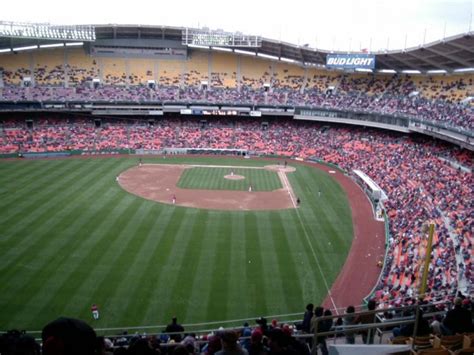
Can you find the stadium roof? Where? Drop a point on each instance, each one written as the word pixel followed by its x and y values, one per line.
pixel 449 54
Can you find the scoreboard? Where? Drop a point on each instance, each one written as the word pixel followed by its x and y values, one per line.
pixel 200 37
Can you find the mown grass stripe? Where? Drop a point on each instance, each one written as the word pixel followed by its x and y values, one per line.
pixel 62 258
pixel 13 172
pixel 138 281
pixel 221 276
pixel 237 309
pixel 144 298
pixel 85 273
pixel 115 262
pixel 187 272
pixel 275 300
pixel 58 292
pixel 255 288
pixel 26 236
pixel 286 265
pixel 171 257
pixel 205 267
pixel 42 200
pixel 23 197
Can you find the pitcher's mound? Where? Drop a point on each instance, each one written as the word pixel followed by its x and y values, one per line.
pixel 234 177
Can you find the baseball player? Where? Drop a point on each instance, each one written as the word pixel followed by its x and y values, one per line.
pixel 95 311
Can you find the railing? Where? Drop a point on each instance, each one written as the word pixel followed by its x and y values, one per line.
pixel 377 327
pixel 387 238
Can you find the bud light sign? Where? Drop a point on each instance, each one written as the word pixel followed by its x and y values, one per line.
pixel 350 61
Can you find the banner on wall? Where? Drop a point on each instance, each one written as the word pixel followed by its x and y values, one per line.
pixel 350 61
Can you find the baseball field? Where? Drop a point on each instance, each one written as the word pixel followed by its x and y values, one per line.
pixel 73 233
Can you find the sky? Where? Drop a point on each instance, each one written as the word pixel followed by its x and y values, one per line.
pixel 331 24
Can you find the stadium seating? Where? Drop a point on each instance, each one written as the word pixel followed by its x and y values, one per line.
pixel 49 68
pixel 224 70
pixel 170 72
pixel 197 69
pixel 113 71
pixel 255 72
pixel 235 79
pixel 419 185
pixel 80 68
pixel 74 334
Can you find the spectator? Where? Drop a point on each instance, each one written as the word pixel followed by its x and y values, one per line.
pixel 175 330
pixel 408 330
pixel 367 335
pixel 308 314
pixel 349 320
pixel 230 345
pixel 68 336
pixel 458 320
pixel 319 326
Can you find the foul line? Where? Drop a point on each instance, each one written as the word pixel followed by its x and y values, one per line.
pixel 285 181
pixel 284 178
pixel 317 261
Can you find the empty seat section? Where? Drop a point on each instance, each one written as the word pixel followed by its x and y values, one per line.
pixel 224 70
pixel 197 68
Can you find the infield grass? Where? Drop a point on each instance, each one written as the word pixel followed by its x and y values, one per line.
pixel 70 237
pixel 213 179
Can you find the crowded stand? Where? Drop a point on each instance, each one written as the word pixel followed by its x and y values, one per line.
pixel 441 112
pixel 414 172
pixel 437 329
pixel 226 78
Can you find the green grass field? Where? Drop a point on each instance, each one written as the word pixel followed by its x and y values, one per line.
pixel 70 237
pixel 213 179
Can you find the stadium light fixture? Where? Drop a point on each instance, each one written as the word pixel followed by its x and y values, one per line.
pixel 222 49
pixel 387 71
pixel 363 70
pixel 239 51
pixel 436 71
pixel 18 49
pixel 288 60
pixel 463 70
pixel 54 45
pixel 268 56
pixel 72 44
pixel 198 46
pixel 410 71
pixel 5 50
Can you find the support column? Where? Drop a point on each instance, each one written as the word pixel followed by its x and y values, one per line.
pixel 239 73
pixel 65 67
pixel 272 71
pixel 156 75
pixel 100 64
pixel 32 68
pixel 127 72
pixel 305 81
pixel 210 58
pixel 181 75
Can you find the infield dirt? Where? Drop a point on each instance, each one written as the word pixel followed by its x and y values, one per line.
pixel 158 182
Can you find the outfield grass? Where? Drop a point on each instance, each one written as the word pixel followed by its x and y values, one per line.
pixel 70 237
pixel 213 179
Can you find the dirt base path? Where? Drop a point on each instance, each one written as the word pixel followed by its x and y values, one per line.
pixel 157 182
